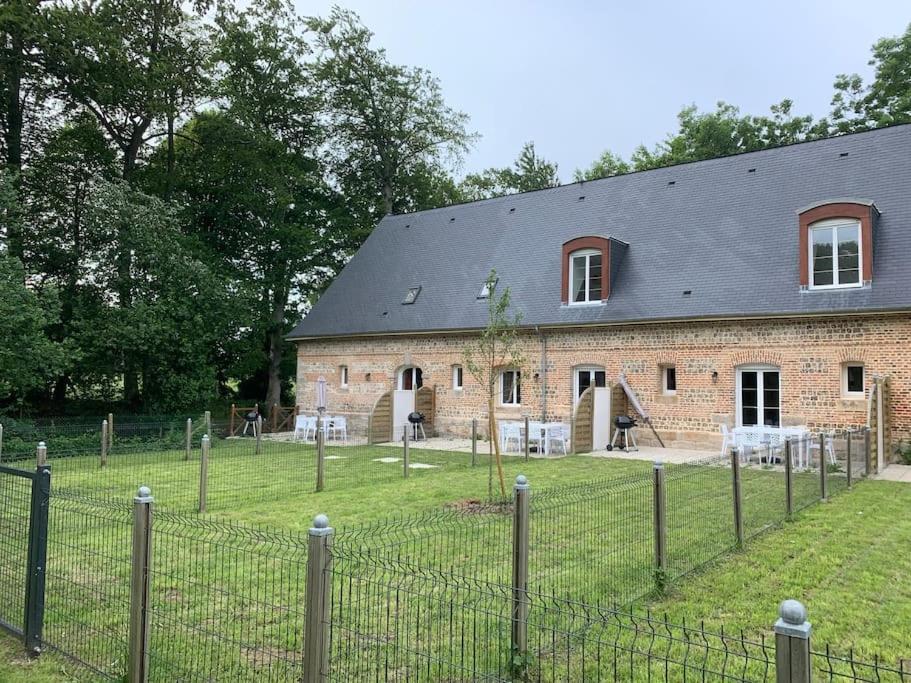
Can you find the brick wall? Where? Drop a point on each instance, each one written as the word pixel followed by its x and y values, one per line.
pixel 810 353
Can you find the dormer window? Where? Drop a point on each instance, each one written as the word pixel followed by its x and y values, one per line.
pixel 835 253
pixel 585 276
pixel 836 244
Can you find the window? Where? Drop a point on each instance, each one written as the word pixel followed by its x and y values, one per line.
pixel 587 377
pixel 412 295
pixel 835 256
pixel 510 388
pixel 668 380
pixel 343 376
pixel 457 377
pixel 852 380
pixel 758 396
pixel 585 276
pixel 487 287
pixel 411 378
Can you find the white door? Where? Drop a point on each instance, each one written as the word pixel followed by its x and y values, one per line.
pixel 758 396
pixel 402 407
pixel 585 377
pixel 601 418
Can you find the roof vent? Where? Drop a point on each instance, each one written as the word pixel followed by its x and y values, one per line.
pixel 671 182
pixel 452 220
pixel 687 292
pixel 412 295
pixel 407 225
pixel 582 198
pixel 843 154
pixel 512 210
pixel 751 170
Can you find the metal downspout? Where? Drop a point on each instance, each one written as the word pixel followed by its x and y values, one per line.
pixel 543 373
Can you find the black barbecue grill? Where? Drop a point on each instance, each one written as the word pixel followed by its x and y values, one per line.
pixel 417 423
pixel 623 432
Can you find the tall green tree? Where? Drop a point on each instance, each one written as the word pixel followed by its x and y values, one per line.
pixel 528 172
pixel 608 164
pixel 390 125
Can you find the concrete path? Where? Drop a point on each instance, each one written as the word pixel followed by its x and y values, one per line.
pixel 676 456
pixel 894 472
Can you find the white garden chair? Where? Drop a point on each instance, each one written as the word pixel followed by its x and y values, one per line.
pixel 304 426
pixel 829 445
pixel 557 434
pixel 510 432
pixel 728 441
pixel 536 437
pixel 338 427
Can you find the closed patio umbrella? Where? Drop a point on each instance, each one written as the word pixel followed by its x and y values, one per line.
pixel 321 394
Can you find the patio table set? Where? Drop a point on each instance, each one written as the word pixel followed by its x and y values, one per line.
pixel 334 427
pixel 769 441
pixel 544 437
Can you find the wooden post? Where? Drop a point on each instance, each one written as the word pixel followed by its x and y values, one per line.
pixel 318 599
pixel 231 422
pixel 792 644
pixel 405 451
pixel 104 443
pixel 189 444
pixel 275 408
pixel 848 467
pixel 203 472
pixel 788 479
pixel 320 454
pixel 208 419
pixel 660 523
pixel 520 553
pixel 41 455
pixel 474 441
pixel 259 433
pixel 823 480
pixel 140 587
pixel 527 438
pixel 738 497
pixel 1 443
pixel 110 431
pixel 867 443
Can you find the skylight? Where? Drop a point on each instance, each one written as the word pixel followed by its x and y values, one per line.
pixel 412 295
pixel 486 287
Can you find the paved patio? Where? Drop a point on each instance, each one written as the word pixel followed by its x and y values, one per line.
pixel 895 472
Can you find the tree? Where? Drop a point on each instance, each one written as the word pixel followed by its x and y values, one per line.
pixel 887 99
pixel 390 123
pixel 608 164
pixel 528 172
pixel 496 347
pixel 28 359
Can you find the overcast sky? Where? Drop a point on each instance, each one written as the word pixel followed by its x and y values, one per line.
pixel 579 77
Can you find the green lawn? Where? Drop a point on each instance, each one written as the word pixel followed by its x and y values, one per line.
pixel 232 596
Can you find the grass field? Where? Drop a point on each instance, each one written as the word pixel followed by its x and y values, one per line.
pixel 229 600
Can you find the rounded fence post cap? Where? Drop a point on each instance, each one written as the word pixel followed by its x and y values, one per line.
pixel 792 612
pixel 321 522
pixel 144 492
pixel 205 437
pixel 522 480
pixel 658 464
pixel 41 444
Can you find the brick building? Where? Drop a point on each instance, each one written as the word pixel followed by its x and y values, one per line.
pixel 763 288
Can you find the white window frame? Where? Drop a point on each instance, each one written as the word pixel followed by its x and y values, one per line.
pixel 400 380
pixel 343 376
pixel 844 381
pixel 458 378
pixel 664 389
pixel 832 224
pixel 760 408
pixel 591 369
pixel 516 387
pixel 586 254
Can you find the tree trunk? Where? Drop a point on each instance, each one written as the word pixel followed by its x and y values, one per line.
pixel 495 441
pixel 13 133
pixel 388 204
pixel 276 343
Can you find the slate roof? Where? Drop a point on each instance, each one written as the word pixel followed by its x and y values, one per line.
pixel 725 233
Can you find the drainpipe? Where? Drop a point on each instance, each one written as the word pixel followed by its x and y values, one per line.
pixel 543 373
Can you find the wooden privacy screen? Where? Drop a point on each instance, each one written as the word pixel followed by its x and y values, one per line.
pixel 281 419
pixel 380 429
pixel 583 421
pixel 425 402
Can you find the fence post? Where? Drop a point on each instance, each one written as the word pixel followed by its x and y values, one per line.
pixel 37 555
pixel 660 524
pixel 259 433
pixel 208 419
pixel 792 644
pixel 848 467
pixel 104 443
pixel 406 452
pixel 823 480
pixel 474 440
pixel 527 439
pixel 186 455
pixel 320 454
pixel 203 472
pixel 318 598
pixel 520 535
pixel 867 451
pixel 110 431
pixel 738 496
pixel 41 454
pixel 230 421
pixel 1 443
pixel 788 479
pixel 140 582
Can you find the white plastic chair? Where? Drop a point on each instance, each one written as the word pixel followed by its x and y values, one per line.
pixel 304 426
pixel 509 432
pixel 829 444
pixel 728 440
pixel 338 426
pixel 557 434
pixel 536 438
